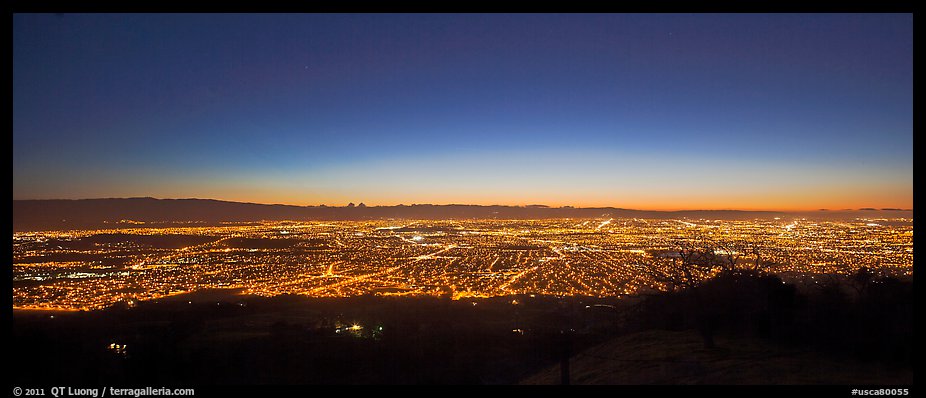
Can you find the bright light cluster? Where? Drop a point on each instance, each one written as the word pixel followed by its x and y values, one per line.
pixel 473 258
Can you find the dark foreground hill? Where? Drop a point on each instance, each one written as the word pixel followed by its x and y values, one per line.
pixel 123 212
pixel 677 357
pixel 226 341
pixel 856 330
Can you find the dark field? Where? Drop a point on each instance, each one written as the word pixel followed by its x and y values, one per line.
pixel 215 337
pixel 773 335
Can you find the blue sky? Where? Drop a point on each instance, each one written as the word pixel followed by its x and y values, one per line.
pixel 647 111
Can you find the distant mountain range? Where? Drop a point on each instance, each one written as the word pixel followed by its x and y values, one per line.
pixel 31 215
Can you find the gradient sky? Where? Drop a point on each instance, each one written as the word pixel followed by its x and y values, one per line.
pixel 785 112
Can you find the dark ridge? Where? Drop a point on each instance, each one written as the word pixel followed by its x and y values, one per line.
pixel 58 214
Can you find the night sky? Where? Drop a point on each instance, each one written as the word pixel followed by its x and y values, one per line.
pixel 784 112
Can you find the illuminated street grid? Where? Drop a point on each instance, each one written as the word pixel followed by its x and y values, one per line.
pixel 479 258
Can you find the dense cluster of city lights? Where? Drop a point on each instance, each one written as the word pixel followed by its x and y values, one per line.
pixel 92 269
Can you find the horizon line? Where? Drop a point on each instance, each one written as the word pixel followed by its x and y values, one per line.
pixel 533 205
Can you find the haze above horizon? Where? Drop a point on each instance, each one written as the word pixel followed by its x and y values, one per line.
pixel 653 112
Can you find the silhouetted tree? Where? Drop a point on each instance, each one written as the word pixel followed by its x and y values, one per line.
pixel 861 281
pixel 689 264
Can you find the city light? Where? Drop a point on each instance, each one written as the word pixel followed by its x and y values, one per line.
pixel 92 269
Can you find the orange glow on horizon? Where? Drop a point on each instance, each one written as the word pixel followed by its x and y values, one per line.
pixel 652 205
